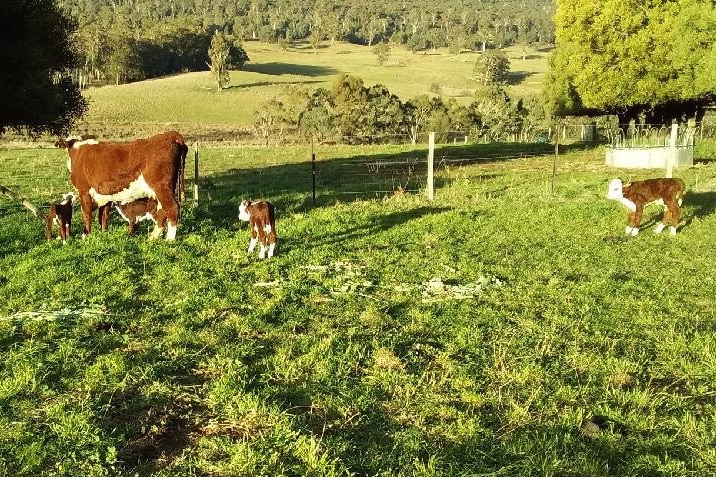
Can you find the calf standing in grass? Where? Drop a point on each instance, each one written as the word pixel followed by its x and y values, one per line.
pixel 636 195
pixel 60 214
pixel 133 212
pixel 261 219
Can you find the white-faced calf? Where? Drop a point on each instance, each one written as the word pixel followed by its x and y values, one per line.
pixel 261 218
pixel 638 194
pixel 60 214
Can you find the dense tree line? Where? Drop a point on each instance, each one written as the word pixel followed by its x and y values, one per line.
pixel 123 40
pixel 351 112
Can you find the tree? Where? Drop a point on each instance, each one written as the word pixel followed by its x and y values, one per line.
pixel 382 52
pixel 36 93
pixel 491 67
pixel 654 59
pixel 219 57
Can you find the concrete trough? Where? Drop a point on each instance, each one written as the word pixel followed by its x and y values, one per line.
pixel 650 157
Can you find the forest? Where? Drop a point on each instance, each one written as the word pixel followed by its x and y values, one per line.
pixel 129 40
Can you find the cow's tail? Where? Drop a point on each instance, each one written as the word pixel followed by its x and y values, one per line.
pixel 183 151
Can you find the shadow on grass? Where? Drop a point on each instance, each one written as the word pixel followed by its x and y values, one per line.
pixel 277 69
pixel 358 177
pixel 517 77
pixel 700 204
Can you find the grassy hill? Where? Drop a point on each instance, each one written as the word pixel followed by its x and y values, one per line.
pixel 191 103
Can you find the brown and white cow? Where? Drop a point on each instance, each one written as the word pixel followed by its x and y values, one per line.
pixel 638 194
pixel 60 214
pixel 261 218
pixel 104 172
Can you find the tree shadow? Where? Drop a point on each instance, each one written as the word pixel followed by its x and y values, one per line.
pixel 517 77
pixel 277 69
pixel 272 83
pixel 699 204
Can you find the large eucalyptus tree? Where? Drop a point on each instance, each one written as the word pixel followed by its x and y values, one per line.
pixel 651 58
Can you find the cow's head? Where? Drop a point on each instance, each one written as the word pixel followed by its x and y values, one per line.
pixel 68 198
pixel 615 189
pixel 244 210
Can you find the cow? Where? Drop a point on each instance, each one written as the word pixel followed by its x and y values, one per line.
pixel 261 218
pixel 60 214
pixel 638 194
pixel 104 172
pixel 133 212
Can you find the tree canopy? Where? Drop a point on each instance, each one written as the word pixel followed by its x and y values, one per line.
pixel 35 94
pixel 653 58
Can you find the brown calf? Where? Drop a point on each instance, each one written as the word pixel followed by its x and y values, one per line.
pixel 136 211
pixel 60 214
pixel 261 218
pixel 638 194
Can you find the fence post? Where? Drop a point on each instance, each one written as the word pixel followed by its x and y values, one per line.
pixel 431 160
pixel 671 159
pixel 196 173
pixel 313 173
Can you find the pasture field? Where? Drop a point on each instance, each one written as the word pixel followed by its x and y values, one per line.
pixel 500 330
pixel 190 103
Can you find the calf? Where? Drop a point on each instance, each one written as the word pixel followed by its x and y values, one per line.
pixel 60 214
pixel 261 218
pixel 133 212
pixel 636 195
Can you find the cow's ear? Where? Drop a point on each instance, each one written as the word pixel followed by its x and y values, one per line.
pixel 61 142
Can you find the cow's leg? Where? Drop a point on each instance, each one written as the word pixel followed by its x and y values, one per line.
pixel 262 239
pixel 634 220
pixel 272 242
pixel 103 215
pixel 664 220
pixel 159 223
pixel 170 207
pixel 87 204
pixel 674 214
pixel 254 235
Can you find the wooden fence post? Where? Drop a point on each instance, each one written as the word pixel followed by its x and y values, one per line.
pixel 431 160
pixel 196 173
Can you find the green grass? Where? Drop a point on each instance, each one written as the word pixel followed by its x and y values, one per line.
pixel 499 330
pixel 190 102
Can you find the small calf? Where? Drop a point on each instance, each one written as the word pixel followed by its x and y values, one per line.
pixel 261 218
pixel 638 194
pixel 135 211
pixel 60 214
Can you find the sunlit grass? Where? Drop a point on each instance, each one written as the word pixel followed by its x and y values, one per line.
pixel 503 329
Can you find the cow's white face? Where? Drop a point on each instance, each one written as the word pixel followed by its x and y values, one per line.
pixel 68 198
pixel 614 190
pixel 244 212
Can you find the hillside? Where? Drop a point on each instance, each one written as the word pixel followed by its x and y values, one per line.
pixel 190 102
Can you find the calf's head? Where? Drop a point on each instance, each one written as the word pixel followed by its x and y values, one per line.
pixel 615 191
pixel 244 210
